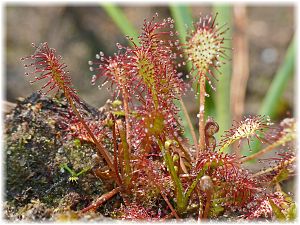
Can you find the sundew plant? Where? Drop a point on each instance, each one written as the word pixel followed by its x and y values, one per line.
pixel 159 171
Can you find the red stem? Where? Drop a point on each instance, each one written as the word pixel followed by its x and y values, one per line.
pixel 115 150
pixel 201 116
pixel 207 205
pixel 127 124
pixel 101 200
pixel 100 149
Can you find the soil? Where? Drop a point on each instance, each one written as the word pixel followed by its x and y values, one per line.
pixel 38 188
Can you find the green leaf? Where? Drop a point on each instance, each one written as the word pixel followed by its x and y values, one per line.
pixel 216 207
pixel 118 113
pixel 121 21
pixel 283 175
pixel 291 213
pixel 77 143
pixel 182 16
pixel 116 103
pixel 222 95
pixel 65 166
pixel 73 179
pixel 84 170
pixel 285 72
pixel 277 211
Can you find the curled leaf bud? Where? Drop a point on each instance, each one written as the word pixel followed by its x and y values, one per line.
pixel 210 143
pixel 211 127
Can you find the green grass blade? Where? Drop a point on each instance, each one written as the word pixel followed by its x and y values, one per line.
pixel 182 16
pixel 222 95
pixel 269 105
pixel 121 21
pixel 285 72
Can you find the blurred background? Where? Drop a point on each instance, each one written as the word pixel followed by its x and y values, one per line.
pixel 260 36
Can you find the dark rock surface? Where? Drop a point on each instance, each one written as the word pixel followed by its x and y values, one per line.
pixel 36 146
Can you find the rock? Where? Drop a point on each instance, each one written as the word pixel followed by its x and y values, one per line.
pixel 37 145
